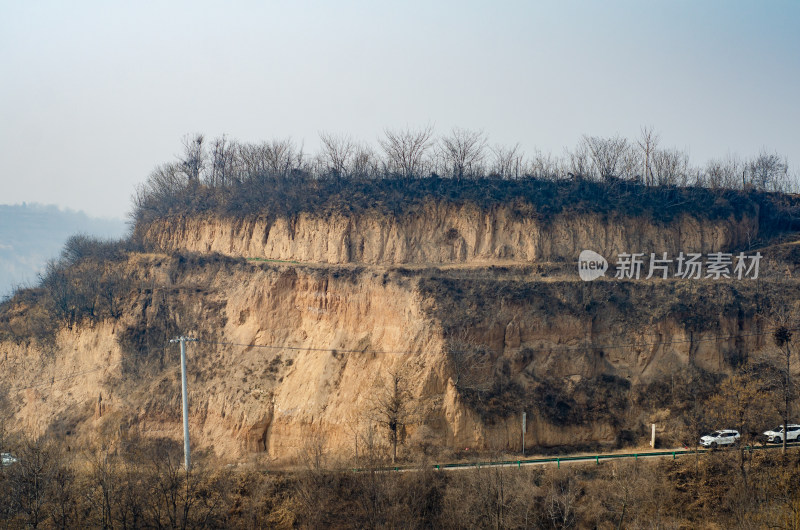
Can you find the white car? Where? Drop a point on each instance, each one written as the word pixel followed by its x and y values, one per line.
pixel 776 434
pixel 723 437
pixel 6 459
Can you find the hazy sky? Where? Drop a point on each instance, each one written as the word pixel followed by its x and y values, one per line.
pixel 93 95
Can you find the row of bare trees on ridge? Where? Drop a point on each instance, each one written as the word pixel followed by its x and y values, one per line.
pixel 467 154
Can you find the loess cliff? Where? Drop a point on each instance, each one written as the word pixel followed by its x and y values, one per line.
pixel 442 233
pixel 479 311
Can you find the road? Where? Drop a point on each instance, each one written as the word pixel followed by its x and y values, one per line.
pixel 571 459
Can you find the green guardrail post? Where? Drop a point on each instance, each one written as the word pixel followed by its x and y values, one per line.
pixel 519 464
pixel 597 459
pixel 437 467
pixel 558 462
pixel 673 455
pixel 636 456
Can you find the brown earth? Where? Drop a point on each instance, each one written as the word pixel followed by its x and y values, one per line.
pixel 442 233
pixel 292 353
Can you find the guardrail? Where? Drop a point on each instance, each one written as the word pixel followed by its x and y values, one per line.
pixel 583 458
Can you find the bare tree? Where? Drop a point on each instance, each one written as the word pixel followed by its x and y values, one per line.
pixel 276 158
pixel 171 487
pixel 406 150
pixel 629 165
pixel 670 167
pixel 724 173
pixel 128 507
pixel 580 164
pixel 508 162
pixel 282 156
pixel 606 154
pixel 364 163
pixel 112 286
pixel 161 191
pixel 544 166
pixel 625 478
pixel 374 491
pixel 31 479
pixel 337 153
pixel 561 500
pixel 392 408
pixel 63 495
pixel 250 160
pixel 312 453
pixel 463 152
pixel 103 485
pixel 63 295
pixel 783 339
pixel 223 159
pixel 194 157
pixel 737 403
pixel 768 171
pixel 713 174
pixel 648 142
pixel 353 427
pixel 693 418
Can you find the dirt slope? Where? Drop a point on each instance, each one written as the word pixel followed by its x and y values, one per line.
pixel 292 353
pixel 441 233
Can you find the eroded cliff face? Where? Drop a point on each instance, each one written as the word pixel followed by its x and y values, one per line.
pixel 290 354
pixel 442 232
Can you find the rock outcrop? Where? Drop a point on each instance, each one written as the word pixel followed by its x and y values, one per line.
pixel 442 233
pixel 480 311
pixel 287 353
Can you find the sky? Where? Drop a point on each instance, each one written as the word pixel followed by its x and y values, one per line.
pixel 94 95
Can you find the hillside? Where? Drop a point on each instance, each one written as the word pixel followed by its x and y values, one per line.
pixel 30 234
pixel 302 322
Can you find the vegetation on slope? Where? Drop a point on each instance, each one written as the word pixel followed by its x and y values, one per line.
pixel 143 486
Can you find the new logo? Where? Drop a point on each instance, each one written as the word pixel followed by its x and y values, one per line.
pixel 591 265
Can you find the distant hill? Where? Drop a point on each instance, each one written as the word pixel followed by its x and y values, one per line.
pixel 30 234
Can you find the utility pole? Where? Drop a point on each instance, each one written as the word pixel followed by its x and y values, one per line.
pixel 187 461
pixel 524 417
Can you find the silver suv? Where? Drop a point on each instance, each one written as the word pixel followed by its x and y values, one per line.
pixel 723 437
pixel 776 434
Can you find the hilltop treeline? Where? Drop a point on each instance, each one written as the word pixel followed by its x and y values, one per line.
pixel 604 174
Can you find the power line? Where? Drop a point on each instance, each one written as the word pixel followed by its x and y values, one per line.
pixel 407 352
pixel 67 377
